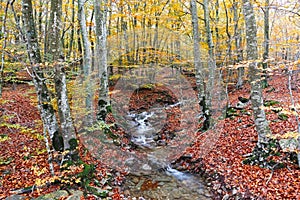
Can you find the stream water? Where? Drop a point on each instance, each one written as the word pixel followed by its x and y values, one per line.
pixel 158 180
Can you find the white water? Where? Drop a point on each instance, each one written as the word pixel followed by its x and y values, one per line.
pixel 187 179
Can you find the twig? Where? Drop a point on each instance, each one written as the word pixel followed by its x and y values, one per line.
pixel 270 177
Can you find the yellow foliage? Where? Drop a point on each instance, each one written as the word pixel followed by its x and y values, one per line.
pixel 287 135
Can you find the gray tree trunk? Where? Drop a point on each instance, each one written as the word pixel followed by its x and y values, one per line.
pixel 44 101
pixel 266 42
pixel 3 31
pixel 72 31
pixel 261 122
pixel 87 62
pixel 197 58
pixel 211 62
pixel 101 61
pixel 238 41
pixel 55 55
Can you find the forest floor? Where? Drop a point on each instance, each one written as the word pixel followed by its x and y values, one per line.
pixel 24 160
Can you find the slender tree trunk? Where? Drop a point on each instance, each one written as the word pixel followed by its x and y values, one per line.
pixel 197 58
pixel 101 50
pixel 124 28
pixel 229 47
pixel 3 30
pixel 290 73
pixel 266 42
pixel 238 40
pixel 46 31
pixel 90 33
pixel 17 19
pixel 40 19
pixel 261 123
pixel 211 65
pixel 87 55
pixel 72 31
pixel 218 50
pixel 44 101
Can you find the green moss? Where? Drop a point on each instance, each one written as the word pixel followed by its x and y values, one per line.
pixel 262 153
pixel 282 116
pixel 231 112
pixel 148 86
pixel 58 142
pixel 269 103
pixel 73 143
pixel 109 109
pixel 101 103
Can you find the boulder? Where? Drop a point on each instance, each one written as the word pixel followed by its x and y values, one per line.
pixel 54 195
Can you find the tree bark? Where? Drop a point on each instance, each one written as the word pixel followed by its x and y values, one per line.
pixel 87 55
pixel 72 31
pixel 266 42
pixel 56 57
pixel 261 123
pixel 238 40
pixel 197 58
pixel 3 31
pixel 44 101
pixel 211 65
pixel 101 62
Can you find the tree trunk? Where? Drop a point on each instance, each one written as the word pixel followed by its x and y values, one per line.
pixel 60 82
pixel 72 31
pixel 87 55
pixel 261 123
pixel 211 65
pixel 197 57
pixel 64 113
pixel 266 42
pixel 101 50
pixel 54 31
pixel 238 40
pixel 3 31
pixel 44 101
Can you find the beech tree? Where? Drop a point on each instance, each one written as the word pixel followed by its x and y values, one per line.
pixel 261 123
pixel 63 136
pixel 266 11
pixel 197 54
pixel 101 57
pixel 44 100
pixel 87 60
pixel 204 83
pixel 56 57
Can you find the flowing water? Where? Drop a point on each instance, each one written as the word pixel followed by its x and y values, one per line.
pixel 158 180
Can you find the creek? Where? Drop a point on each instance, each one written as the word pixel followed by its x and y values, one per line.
pixel 157 179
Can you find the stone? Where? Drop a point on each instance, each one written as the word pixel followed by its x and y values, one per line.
pixel 76 195
pixel 15 197
pixel 289 145
pixel 54 195
pixel 146 167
